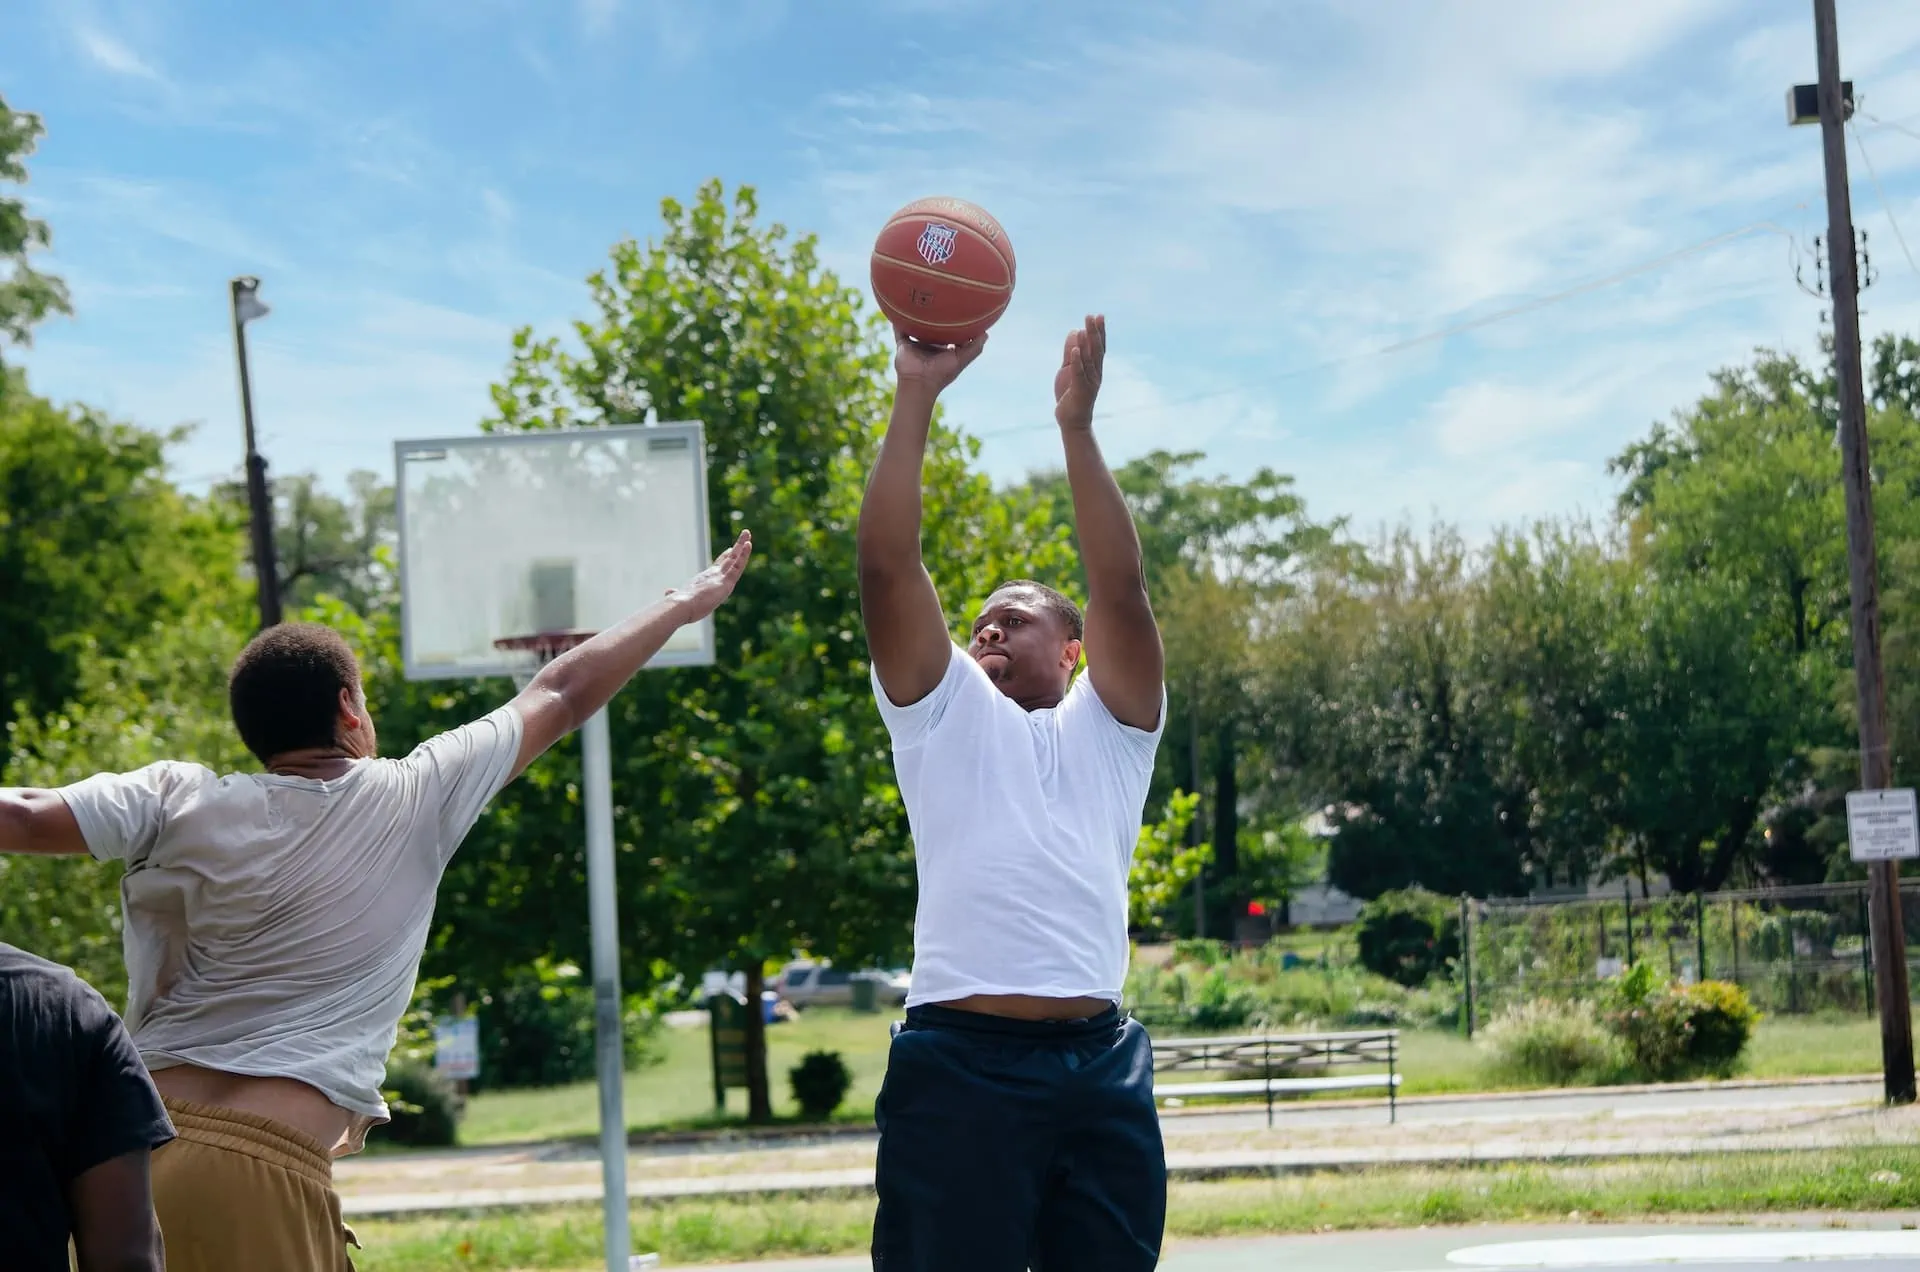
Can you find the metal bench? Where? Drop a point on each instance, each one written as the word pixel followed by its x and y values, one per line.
pixel 1282 1052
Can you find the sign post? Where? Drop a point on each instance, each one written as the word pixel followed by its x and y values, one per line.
pixel 727 1014
pixel 1883 825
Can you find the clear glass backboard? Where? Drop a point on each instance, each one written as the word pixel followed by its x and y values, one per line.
pixel 518 534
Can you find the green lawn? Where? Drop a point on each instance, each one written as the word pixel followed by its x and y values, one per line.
pixel 714 1231
pixel 1814 1047
pixel 679 1091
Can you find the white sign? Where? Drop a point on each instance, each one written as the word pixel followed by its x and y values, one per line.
pixel 1883 825
pixel 456 1047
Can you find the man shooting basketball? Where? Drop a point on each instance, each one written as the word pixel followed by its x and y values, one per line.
pixel 1017 1124
pixel 275 921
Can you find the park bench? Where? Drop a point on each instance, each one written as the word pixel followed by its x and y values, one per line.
pixel 1278 1058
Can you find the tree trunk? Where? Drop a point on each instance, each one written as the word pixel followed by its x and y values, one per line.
pixel 1727 851
pixel 759 1098
pixel 1226 811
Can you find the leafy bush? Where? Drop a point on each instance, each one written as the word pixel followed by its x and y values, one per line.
pixel 1673 1031
pixel 1555 1043
pixel 1651 1020
pixel 820 1083
pixel 537 1030
pixel 1259 990
pixel 1204 952
pixel 1723 1020
pixel 1409 936
pixel 423 1105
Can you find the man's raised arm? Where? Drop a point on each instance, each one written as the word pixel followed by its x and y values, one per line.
pixel 1124 656
pixel 906 630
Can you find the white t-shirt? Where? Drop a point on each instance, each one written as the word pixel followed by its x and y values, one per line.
pixel 1024 825
pixel 274 924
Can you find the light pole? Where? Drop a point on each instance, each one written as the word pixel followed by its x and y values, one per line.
pixel 247 306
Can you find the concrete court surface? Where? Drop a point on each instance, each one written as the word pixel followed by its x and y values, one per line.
pixel 1877 1244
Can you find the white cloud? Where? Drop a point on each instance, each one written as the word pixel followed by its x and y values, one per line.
pixel 598 15
pixel 1475 419
pixel 110 54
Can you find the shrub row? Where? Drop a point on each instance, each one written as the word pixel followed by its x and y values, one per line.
pixel 1641 1029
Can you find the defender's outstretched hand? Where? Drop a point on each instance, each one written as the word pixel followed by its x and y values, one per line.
pixel 1077 383
pixel 704 592
pixel 929 365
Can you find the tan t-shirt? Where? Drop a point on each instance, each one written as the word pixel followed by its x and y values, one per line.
pixel 274 925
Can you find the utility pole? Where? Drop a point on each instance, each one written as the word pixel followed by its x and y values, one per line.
pixel 247 306
pixel 1876 760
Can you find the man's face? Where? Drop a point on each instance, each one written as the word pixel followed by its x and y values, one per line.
pixel 1024 647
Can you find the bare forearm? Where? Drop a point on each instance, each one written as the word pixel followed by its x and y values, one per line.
pixel 38 821
pixel 584 679
pixel 888 539
pixel 1109 546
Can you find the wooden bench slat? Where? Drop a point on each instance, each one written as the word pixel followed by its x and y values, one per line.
pixel 1261 1086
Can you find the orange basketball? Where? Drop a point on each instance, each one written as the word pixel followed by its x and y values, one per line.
pixel 943 270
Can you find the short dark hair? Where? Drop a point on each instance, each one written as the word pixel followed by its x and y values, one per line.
pixel 284 691
pixel 1054 603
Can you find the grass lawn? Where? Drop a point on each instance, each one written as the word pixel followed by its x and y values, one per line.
pixel 716 1231
pixel 679 1091
pixel 1814 1047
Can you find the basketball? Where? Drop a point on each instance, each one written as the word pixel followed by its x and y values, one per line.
pixel 943 270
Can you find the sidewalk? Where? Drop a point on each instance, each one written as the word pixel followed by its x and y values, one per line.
pixel 1585 1126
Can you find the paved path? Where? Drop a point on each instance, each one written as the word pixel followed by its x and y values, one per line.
pixel 1580 1126
pixel 1529 1106
pixel 1870 1244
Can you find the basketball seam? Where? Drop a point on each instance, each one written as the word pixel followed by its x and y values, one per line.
pixel 918 321
pixel 930 272
pixel 989 243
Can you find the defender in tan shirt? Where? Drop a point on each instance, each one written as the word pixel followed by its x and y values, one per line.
pixel 275 921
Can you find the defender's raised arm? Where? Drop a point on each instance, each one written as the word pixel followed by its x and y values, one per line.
pixel 906 630
pixel 581 681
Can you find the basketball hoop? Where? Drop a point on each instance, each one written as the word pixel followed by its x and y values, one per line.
pixel 544 646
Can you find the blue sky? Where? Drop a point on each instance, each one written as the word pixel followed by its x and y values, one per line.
pixel 1261 196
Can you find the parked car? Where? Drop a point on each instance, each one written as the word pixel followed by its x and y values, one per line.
pixel 806 983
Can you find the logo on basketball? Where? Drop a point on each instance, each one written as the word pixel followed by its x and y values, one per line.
pixel 936 243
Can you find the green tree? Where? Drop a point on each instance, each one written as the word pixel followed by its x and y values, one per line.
pixel 1401 732
pixel 95 545
pixel 26 294
pixel 330 545
pixel 1165 863
pixel 1708 716
pixel 758 812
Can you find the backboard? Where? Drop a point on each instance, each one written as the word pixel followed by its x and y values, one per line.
pixel 505 535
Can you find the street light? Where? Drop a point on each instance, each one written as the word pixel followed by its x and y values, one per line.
pixel 248 306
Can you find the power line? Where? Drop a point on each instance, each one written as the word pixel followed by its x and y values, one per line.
pixel 1885 205
pixel 1450 329
pixel 1885 123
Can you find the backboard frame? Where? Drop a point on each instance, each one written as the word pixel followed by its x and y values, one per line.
pixel 693 431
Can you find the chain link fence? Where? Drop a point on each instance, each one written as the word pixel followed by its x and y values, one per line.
pixel 1796 951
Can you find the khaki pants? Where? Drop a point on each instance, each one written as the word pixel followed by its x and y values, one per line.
pixel 237 1192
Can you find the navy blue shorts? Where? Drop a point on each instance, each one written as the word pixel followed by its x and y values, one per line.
pixel 1007 1145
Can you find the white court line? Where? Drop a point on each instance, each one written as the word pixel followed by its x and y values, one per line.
pixel 1693 1248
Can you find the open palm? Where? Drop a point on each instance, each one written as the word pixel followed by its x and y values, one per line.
pixel 1077 383
pixel 705 591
